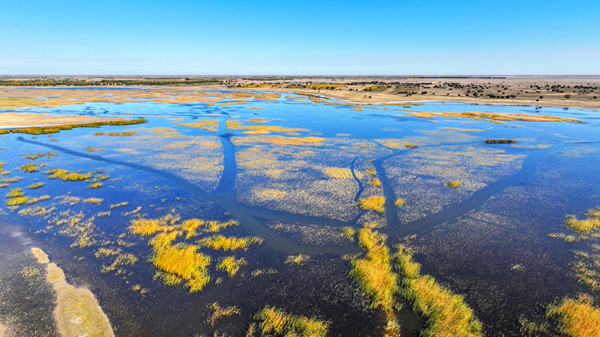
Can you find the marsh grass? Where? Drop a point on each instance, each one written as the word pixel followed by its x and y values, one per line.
pixel 96 185
pixel 299 259
pixel 30 167
pixel 589 224
pixel 399 202
pixel 120 261
pixel 276 322
pixel 14 193
pixel 191 226
pixel 348 232
pixel 220 312
pixel 66 175
pixel 446 313
pixel 372 203
pixel 454 184
pixel 375 182
pixel 576 317
pixel 147 227
pixel 373 272
pixel 120 204
pixel 95 201
pixel 182 262
pixel 231 265
pixel 35 185
pixel 220 242
pixel 40 155
pixel 56 129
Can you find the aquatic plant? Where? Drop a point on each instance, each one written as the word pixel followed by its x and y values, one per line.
pixel 191 226
pixel 411 146
pixel 220 312
pixel 590 223
pixel 348 232
pixel 276 322
pixel 65 175
pixel 454 184
pixel 147 227
pixel 41 154
pixel 373 272
pixel 231 265
pixel 576 317
pixel 120 260
pixel 220 242
pixel 29 168
pixel 96 201
pixel 94 149
pixel 96 185
pixel 299 259
pixel 11 180
pixel 372 203
pixel 120 204
pixel 375 182
pixel 40 130
pixel 446 313
pixel 35 185
pixel 15 192
pixel 183 262
pixel 399 202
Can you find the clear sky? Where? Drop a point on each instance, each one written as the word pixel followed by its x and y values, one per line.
pixel 299 37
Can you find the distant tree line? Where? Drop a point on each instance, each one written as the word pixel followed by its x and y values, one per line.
pixel 109 82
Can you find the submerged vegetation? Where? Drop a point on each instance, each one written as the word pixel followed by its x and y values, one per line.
pixel 447 314
pixel 277 323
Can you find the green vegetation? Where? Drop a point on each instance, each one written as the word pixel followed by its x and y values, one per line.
pixel 14 193
pixel 41 130
pixel 276 322
pixel 65 175
pixel 348 232
pixel 231 265
pixel 372 203
pixel 219 312
pixel 454 184
pixel 375 182
pixel 576 317
pixel 182 263
pixel 41 154
pixel 299 259
pixel 220 242
pixel 373 272
pixel 447 314
pixel 590 223
pixel 29 167
pixel 36 185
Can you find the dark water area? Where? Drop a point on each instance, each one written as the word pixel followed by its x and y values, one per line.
pixel 487 240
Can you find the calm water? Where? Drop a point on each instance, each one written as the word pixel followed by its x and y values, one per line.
pixel 470 239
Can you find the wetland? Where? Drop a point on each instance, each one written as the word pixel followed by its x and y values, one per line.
pixel 137 211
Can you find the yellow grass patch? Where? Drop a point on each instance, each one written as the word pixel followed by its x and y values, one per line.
pixel 576 317
pixel 183 262
pixel 206 124
pixel 231 265
pixel 276 322
pixel 338 172
pixel 493 116
pixel 372 203
pixel 220 242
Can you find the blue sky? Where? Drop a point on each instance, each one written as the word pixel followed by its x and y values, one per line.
pixel 299 37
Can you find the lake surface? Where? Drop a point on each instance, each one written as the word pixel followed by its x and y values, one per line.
pixel 295 187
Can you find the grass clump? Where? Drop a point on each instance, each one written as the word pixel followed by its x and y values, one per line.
pixel 35 185
pixel 373 272
pixel 411 146
pixel 65 175
pixel 576 317
pixel 191 226
pixel 29 168
pixel 372 203
pixel 219 312
pixel 94 149
pixel 18 201
pixel 590 223
pixel 375 182
pixel 220 242
pixel 41 154
pixel 120 204
pixel 14 193
pixel 399 202
pixel 299 259
pixel 147 227
pixel 276 322
pixel 454 184
pixel 183 262
pixel 348 232
pixel 447 314
pixel 231 265
pixel 95 201
pixel 96 185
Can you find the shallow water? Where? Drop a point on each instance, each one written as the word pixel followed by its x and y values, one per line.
pixel 511 198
